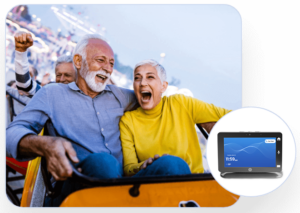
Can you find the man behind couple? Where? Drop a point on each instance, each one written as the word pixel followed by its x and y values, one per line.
pixel 87 112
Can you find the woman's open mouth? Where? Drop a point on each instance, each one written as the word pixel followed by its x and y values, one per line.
pixel 146 96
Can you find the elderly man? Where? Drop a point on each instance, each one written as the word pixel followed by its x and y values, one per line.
pixel 86 112
pixel 64 70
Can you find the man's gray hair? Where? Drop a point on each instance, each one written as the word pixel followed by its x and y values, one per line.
pixel 63 59
pixel 81 46
pixel 159 68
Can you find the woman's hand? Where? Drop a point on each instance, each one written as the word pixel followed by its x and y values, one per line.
pixel 149 161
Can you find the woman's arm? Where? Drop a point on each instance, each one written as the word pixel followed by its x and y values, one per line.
pixel 203 113
pixel 131 163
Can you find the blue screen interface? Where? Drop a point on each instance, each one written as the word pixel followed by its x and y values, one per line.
pixel 250 152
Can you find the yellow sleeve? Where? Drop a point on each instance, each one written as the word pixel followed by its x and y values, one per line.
pixel 131 164
pixel 201 111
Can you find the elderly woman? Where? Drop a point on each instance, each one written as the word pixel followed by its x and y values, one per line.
pixel 162 127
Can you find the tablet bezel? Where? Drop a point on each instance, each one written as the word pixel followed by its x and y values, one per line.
pixel 223 135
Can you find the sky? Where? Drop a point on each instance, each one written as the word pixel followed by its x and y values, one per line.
pixel 202 43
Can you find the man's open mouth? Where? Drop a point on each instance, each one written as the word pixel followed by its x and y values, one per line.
pixel 103 77
pixel 146 96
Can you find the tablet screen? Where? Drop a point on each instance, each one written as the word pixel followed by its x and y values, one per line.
pixel 250 152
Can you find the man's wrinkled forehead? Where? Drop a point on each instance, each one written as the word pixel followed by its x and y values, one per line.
pixel 99 47
pixel 66 67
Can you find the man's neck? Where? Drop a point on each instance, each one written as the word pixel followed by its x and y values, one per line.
pixel 82 85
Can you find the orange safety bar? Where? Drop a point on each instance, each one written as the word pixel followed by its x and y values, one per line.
pixel 207 193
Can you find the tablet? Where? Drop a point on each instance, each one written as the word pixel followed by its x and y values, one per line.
pixel 250 152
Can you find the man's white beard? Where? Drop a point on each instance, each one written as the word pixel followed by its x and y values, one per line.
pixel 90 78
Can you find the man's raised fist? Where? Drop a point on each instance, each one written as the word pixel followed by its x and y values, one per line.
pixel 23 41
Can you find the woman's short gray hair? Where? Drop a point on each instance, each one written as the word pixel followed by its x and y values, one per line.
pixel 82 43
pixel 159 68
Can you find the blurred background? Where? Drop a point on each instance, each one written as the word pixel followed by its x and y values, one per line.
pixel 199 45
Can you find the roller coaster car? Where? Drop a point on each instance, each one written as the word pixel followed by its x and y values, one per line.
pixel 13 166
pixel 169 191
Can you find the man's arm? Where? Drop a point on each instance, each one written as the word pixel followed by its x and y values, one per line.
pixel 17 95
pixel 22 142
pixel 131 102
pixel 54 149
pixel 24 82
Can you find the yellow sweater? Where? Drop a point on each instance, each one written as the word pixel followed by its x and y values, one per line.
pixel 168 128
